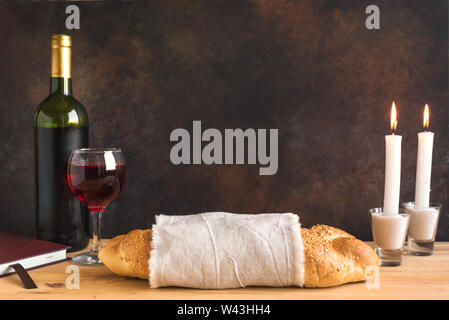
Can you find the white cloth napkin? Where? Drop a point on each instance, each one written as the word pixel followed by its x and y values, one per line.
pixel 218 250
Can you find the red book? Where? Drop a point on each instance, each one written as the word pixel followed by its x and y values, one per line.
pixel 29 252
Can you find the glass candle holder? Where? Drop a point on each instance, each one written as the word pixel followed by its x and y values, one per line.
pixel 389 232
pixel 423 228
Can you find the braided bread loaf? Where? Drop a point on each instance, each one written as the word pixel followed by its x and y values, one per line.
pixel 332 256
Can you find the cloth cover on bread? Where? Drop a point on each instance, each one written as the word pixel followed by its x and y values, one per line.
pixel 220 250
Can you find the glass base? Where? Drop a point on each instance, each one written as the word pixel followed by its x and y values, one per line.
pixel 420 248
pixel 87 259
pixel 389 258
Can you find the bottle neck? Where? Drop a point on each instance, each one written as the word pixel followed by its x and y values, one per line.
pixel 61 55
pixel 61 86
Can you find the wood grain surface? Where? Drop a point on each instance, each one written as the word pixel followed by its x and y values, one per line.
pixel 417 278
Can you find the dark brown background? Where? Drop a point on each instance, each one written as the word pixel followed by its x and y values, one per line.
pixel 309 68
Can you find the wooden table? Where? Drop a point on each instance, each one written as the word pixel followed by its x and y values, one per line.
pixel 417 278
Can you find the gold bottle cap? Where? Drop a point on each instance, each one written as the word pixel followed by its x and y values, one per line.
pixel 61 40
pixel 61 52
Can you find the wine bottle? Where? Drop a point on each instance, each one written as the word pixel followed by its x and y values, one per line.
pixel 60 125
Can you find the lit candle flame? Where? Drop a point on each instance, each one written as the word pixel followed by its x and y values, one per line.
pixel 394 118
pixel 425 122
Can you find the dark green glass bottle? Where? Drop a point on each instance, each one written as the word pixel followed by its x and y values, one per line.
pixel 60 125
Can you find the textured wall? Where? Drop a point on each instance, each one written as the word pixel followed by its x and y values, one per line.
pixel 309 68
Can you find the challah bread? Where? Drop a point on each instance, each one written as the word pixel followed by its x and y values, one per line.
pixel 128 254
pixel 332 256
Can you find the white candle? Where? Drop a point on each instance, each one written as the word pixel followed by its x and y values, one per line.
pixel 389 232
pixel 424 164
pixel 392 168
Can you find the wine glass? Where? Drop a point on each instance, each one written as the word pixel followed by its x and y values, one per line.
pixel 96 177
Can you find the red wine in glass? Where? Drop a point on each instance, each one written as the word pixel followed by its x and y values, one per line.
pixel 96 177
pixel 96 186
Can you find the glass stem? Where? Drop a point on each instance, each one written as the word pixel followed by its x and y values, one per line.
pixel 96 231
